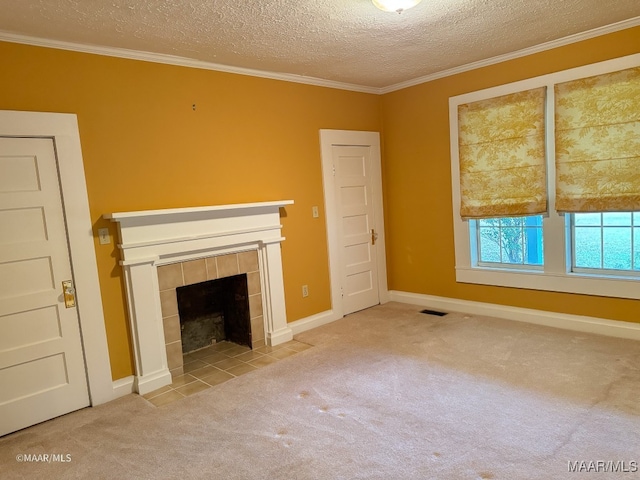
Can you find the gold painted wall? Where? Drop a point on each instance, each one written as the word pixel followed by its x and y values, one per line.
pixel 252 139
pixel 417 173
pixel 144 147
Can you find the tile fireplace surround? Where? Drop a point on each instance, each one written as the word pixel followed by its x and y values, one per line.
pixel 155 239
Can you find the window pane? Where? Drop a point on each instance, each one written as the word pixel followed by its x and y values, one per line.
pixel 511 240
pixel 588 253
pixel 622 219
pixel 511 221
pixel 533 247
pixel 587 219
pixel 535 221
pixel 489 244
pixel 512 245
pixel 617 248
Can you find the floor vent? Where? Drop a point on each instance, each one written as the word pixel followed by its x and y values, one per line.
pixel 434 312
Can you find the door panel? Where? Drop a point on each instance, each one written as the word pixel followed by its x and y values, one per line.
pixel 30 327
pixel 356 219
pixel 42 370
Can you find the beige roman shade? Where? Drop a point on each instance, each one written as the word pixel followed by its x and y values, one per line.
pixel 598 143
pixel 502 156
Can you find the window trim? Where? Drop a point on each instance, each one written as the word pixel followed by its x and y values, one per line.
pixel 557 274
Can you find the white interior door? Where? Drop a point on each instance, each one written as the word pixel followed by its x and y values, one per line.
pixel 356 227
pixel 352 158
pixel 42 369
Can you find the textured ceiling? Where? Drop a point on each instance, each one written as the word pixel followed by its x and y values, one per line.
pixel 347 41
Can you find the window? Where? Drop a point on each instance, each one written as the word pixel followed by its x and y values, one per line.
pixel 606 242
pixel 510 240
pixel 592 246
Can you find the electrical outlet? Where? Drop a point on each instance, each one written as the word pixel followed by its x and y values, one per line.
pixel 305 290
pixel 314 211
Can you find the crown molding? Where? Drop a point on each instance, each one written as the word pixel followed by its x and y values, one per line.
pixel 318 82
pixel 596 32
pixel 180 62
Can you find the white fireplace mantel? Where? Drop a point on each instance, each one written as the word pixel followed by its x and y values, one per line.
pixel 153 238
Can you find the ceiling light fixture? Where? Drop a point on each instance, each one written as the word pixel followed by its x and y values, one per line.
pixel 395 5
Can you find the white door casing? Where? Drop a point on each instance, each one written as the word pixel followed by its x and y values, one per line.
pixel 62 131
pixel 42 371
pixel 362 151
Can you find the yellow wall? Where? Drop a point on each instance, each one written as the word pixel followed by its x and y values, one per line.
pixel 253 139
pixel 420 253
pixel 144 147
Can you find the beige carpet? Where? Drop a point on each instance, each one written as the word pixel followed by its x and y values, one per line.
pixel 387 393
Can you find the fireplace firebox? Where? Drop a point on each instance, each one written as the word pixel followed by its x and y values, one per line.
pixel 214 311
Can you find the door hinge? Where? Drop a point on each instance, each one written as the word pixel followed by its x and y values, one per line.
pixel 342 292
pixel 334 170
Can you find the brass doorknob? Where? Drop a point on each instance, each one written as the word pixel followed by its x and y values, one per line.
pixel 69 294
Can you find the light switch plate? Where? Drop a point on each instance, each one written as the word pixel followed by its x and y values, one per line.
pixel 103 233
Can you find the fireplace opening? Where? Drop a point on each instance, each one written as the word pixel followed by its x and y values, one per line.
pixel 214 311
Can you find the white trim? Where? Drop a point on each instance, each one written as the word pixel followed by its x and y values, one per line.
pixel 619 287
pixel 239 207
pixel 180 62
pixel 578 323
pixel 63 129
pixel 556 275
pixel 123 386
pixel 329 138
pixel 550 79
pixel 313 321
pixel 319 82
pixel 561 42
pixel 144 384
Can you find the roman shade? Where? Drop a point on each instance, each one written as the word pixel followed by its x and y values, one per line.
pixel 502 156
pixel 598 143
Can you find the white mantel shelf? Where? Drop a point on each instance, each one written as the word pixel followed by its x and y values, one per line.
pixel 149 234
pixel 152 238
pixel 121 216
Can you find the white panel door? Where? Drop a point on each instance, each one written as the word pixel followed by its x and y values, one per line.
pixel 42 369
pixel 359 272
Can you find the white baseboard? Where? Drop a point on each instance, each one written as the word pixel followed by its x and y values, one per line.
pixel 601 326
pixel 123 386
pixel 313 321
pixel 144 384
pixel 280 336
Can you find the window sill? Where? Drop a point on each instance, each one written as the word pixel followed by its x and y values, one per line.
pixel 585 284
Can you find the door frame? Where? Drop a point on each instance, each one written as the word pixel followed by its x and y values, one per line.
pixel 329 138
pixel 62 128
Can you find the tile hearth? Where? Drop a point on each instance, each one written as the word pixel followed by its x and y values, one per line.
pixel 218 363
pixel 187 273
